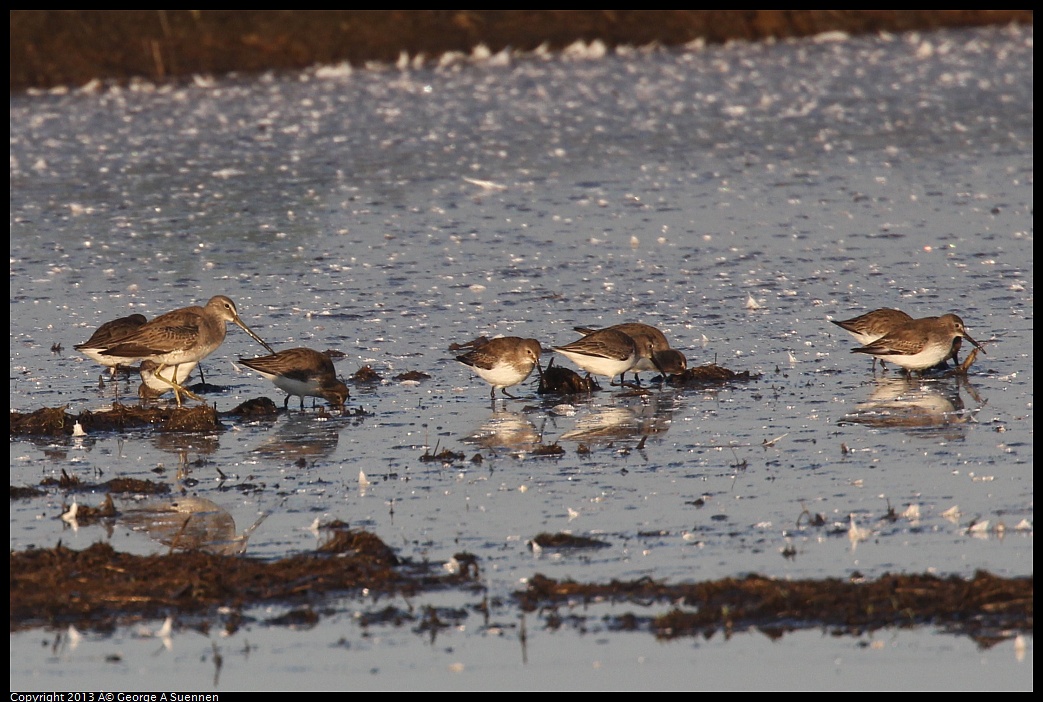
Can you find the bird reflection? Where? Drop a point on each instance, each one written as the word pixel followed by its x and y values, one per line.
pixel 921 407
pixel 628 417
pixel 190 524
pixel 504 429
pixel 301 436
pixel 183 445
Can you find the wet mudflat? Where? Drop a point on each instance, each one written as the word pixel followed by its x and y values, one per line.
pixel 392 214
pixel 99 589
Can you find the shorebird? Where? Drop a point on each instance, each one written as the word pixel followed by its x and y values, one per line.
pixel 654 352
pixel 302 372
pixel 871 326
pixel 107 334
pixel 670 362
pixel 152 388
pixel 608 352
pixel 921 343
pixel 186 335
pixel 504 361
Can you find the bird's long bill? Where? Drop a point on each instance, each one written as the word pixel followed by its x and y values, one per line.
pixel 976 344
pixel 256 338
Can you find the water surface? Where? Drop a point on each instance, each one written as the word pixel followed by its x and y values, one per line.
pixel 737 197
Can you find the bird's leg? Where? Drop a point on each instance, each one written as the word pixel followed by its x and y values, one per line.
pixel 172 382
pixel 623 383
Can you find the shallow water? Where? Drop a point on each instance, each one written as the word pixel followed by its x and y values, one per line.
pixel 737 197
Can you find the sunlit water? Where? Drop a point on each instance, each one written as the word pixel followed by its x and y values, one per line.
pixel 737 197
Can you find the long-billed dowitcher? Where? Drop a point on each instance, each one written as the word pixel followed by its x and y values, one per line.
pixel 608 352
pixel 504 361
pixel 921 343
pixel 105 336
pixel 654 352
pixel 186 335
pixel 302 372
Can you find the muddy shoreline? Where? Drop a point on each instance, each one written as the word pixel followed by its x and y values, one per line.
pixel 99 589
pixel 74 47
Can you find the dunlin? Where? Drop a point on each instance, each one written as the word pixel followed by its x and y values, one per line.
pixel 152 388
pixel 871 326
pixel 654 352
pixel 608 352
pixel 670 362
pixel 921 343
pixel 186 335
pixel 302 372
pixel 954 354
pixel 105 336
pixel 504 361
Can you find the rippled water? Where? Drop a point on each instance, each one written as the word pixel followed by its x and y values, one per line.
pixel 737 197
